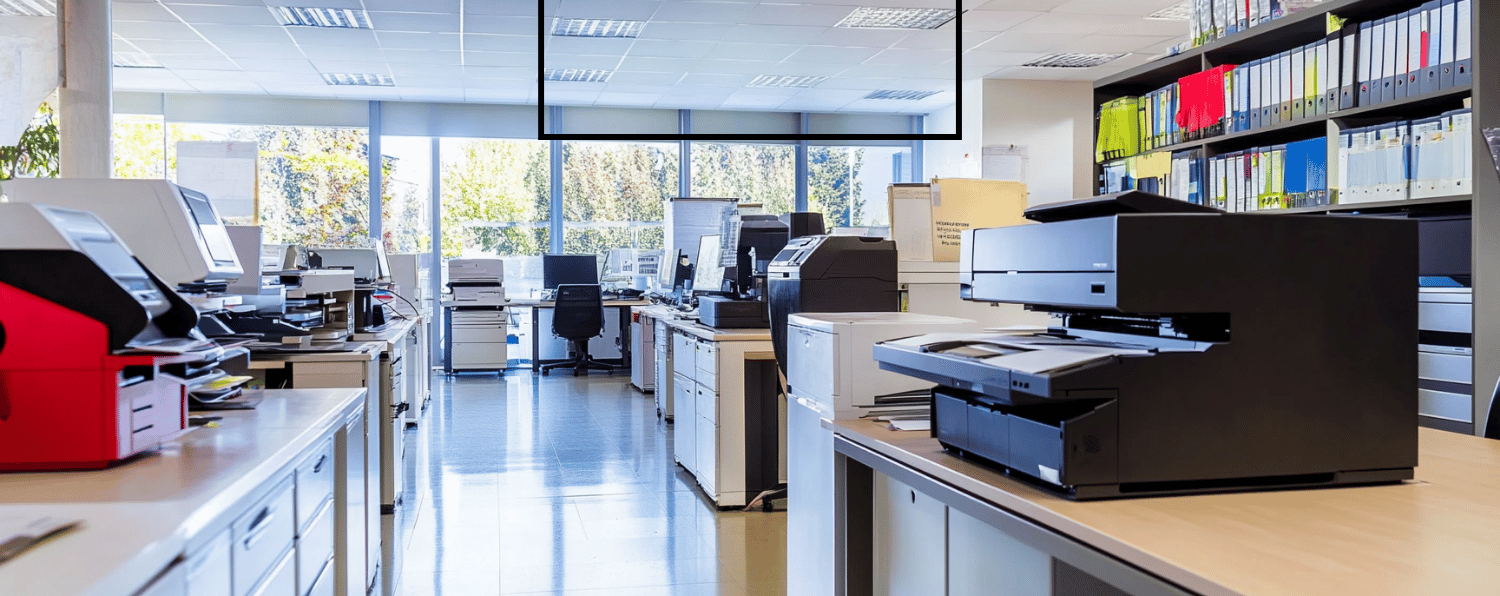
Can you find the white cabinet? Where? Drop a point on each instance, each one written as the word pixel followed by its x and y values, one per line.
pixel 210 570
pixel 707 456
pixel 663 370
pixel 809 515
pixel 476 338
pixel 642 350
pixel 714 437
pixel 685 429
pixel 352 564
pixel 261 536
pixel 171 583
pixel 910 540
pixel 283 578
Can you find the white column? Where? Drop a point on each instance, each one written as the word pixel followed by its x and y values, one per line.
pixel 86 124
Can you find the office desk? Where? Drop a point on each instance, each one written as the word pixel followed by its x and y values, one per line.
pixel 622 308
pixel 1433 535
pixel 161 514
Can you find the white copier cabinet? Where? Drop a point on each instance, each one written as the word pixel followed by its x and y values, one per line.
pixel 642 349
pixel 832 374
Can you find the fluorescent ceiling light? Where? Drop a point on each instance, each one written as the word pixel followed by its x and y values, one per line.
pixel 1072 60
pixel 334 18
pixel 28 8
pixel 899 94
pixel 596 28
pixel 1176 12
pixel 866 17
pixel 135 60
pixel 784 81
pixel 359 79
pixel 576 75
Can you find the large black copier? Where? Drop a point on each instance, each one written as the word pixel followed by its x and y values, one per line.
pixel 1195 350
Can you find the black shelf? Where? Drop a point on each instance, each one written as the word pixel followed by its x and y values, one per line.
pixel 1372 207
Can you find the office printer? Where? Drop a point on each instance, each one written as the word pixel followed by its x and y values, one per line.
pixel 87 337
pixel 477 282
pixel 1194 351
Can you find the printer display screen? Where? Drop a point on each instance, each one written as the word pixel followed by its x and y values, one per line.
pixel 214 234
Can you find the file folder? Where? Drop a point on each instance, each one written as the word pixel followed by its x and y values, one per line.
pixel 1463 49
pixel 1431 54
pixel 1348 86
pixel 1388 61
pixel 1329 58
pixel 1257 70
pixel 1242 97
pixel 1363 63
pixel 1446 50
pixel 1415 47
pixel 1316 53
pixel 1298 98
pixel 1400 50
pixel 1283 109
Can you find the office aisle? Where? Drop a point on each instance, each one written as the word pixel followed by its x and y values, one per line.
pixel 563 485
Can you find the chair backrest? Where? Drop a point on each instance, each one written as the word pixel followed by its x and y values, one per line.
pixel 579 313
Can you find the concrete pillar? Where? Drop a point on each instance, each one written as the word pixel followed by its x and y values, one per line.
pixel 86 124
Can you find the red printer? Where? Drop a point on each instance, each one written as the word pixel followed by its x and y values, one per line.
pixel 85 331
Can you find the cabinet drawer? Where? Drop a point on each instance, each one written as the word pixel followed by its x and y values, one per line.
pixel 708 404
pixel 329 368
pixel 708 357
pixel 261 535
pixel 478 334
pixel 479 354
pixel 1445 316
pixel 314 482
pixel 478 318
pixel 686 394
pixel 283 578
pixel 154 417
pixel 209 570
pixel 324 585
pixel 707 457
pixel 1445 367
pixel 684 355
pixel 1441 404
pixel 314 549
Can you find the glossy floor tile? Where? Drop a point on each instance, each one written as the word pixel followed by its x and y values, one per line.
pixel 566 486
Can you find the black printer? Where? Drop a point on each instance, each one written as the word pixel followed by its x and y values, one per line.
pixel 1197 350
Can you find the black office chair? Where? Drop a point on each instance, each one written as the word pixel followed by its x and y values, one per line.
pixel 578 317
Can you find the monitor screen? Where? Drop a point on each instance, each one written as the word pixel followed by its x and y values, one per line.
pixel 215 237
pixel 709 275
pixel 569 269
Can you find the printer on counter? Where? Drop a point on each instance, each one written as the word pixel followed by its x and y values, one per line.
pixel 477 282
pixel 88 338
pixel 1198 350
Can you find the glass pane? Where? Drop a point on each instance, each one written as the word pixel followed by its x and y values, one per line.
pixel 140 147
pixel 848 184
pixel 405 203
pixel 615 194
pixel 495 204
pixel 765 174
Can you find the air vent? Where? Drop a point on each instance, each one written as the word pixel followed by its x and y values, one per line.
pixel 28 8
pixel 1072 60
pixel 1176 12
pixel 596 28
pixel 576 75
pixel 866 17
pixel 135 60
pixel 367 80
pixel 902 95
pixel 783 81
pixel 333 18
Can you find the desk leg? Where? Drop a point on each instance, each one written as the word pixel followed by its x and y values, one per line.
pixel 536 343
pixel 624 336
pixel 853 523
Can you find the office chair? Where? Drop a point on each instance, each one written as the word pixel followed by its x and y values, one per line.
pixel 578 317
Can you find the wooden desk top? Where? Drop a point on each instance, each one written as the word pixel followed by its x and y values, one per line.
pixel 141 515
pixel 1437 534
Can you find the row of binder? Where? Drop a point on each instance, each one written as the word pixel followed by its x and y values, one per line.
pixel 1178 175
pixel 1430 157
pixel 1213 19
pixel 1423 50
pixel 1119 129
pixel 1266 178
pixel 1190 109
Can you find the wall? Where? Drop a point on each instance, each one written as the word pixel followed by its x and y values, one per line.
pixel 1054 120
pixel 948 159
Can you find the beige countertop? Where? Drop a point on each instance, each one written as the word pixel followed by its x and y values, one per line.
pixel 350 351
pixel 673 317
pixel 1437 534
pixel 141 515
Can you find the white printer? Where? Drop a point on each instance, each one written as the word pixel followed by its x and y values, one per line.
pixel 477 282
pixel 832 374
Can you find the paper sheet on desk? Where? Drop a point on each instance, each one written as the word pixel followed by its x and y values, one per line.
pixel 1058 358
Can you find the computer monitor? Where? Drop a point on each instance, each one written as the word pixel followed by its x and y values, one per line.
pixel 708 274
pixel 765 235
pixel 569 269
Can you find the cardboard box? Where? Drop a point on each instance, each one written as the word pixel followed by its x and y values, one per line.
pixel 927 219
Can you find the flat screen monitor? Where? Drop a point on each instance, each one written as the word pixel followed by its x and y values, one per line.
pixel 708 275
pixel 569 269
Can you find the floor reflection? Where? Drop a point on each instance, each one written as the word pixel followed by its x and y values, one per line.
pixel 563 485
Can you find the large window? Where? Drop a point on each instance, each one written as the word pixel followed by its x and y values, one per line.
pixel 614 195
pixel 765 174
pixel 496 204
pixel 405 213
pixel 140 147
pixel 848 184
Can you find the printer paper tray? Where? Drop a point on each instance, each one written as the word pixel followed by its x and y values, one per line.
pixel 1024 364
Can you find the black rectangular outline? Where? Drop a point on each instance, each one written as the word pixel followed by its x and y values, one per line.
pixel 541 103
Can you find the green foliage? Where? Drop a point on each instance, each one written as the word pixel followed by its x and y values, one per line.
pixel 765 174
pixel 833 186
pixel 140 147
pixel 314 185
pixel 615 194
pixel 36 154
pixel 495 197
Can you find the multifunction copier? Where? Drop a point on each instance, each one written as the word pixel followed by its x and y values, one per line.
pixel 1195 350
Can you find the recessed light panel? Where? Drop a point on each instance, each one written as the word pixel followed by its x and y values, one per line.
pixel 784 81
pixel 332 18
pixel 900 94
pixel 1072 60
pixel 135 60
pixel 359 79
pixel 596 28
pixel 576 75
pixel 28 8
pixel 866 17
pixel 1176 12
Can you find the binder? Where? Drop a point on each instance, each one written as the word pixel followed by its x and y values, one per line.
pixel 1446 50
pixel 1463 49
pixel 1429 156
pixel 1316 53
pixel 1388 61
pixel 1462 128
pixel 1363 63
pixel 1328 59
pixel 1252 12
pixel 1221 18
pixel 1431 56
pixel 1297 100
pixel 1263 10
pixel 1402 47
pixel 1255 70
pixel 1276 194
pixel 1348 86
pixel 1414 48
pixel 1284 87
pixel 1241 15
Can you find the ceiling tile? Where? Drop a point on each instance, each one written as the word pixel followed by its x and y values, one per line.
pixel 754 102
pixel 434 57
pixel 716 80
pixel 453 94
pixel 732 66
pixel 335 66
pixel 499 25
pixel 503 72
pixel 752 51
pixel 407 72
pixel 643 78
pixel 500 43
pixel 418 41
pixel 153 46
pixel 1116 7
pixel 775 34
pixel 443 6
pixel 701 12
pixel 647 64
pixel 512 8
pixel 260 50
pixel 571 97
pixel 867 38
pixel 220 33
pixel 995 20
pixel 140 11
pixel 996 59
pixel 1015 41
pixel 597 62
pixel 1038 5
pixel 1116 44
pixel 634 10
pixel 496 95
pixel 238 87
pixel 197 62
pixel 852 83
pixel 356 38
pixel 670 49
pixel 795 14
pixel 154 30
pixel 415 22
pixel 338 53
pixel 905 56
pixel 608 98
pixel 514 59
pixel 833 54
pixel 524 85
pixel 585 46
pixel 224 15
pixel 418 81
pixel 684 31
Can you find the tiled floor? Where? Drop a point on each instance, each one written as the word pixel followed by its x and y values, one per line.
pixel 563 485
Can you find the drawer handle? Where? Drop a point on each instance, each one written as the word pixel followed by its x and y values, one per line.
pixel 143 429
pixel 259 527
pixel 318 467
pixel 143 408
